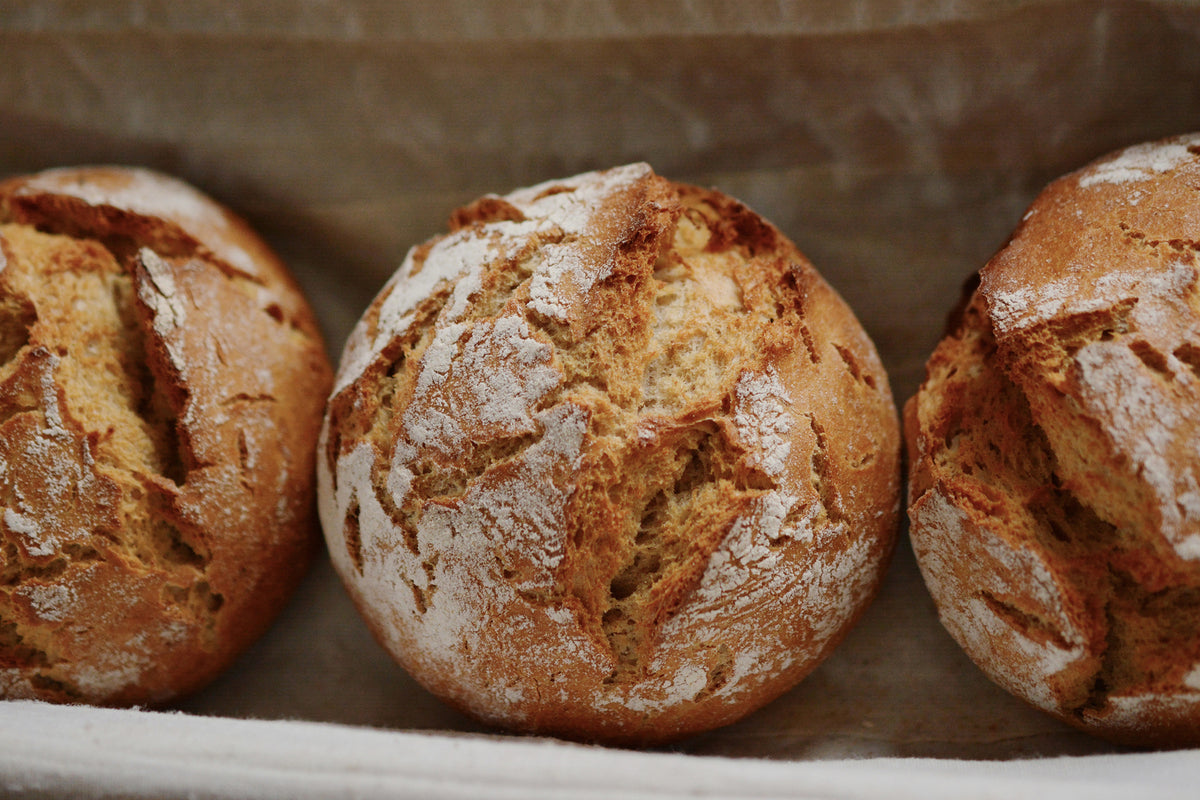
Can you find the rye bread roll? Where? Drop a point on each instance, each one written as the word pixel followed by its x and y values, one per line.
pixel 609 461
pixel 161 387
pixel 1055 453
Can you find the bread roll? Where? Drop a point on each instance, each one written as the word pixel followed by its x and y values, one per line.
pixel 609 461
pixel 1055 453
pixel 161 388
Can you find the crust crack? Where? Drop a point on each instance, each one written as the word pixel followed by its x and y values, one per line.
pixel 991 442
pixel 17 316
pixel 675 529
pixel 1030 625
pixel 823 479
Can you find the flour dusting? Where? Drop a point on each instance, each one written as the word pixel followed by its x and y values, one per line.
pixel 945 545
pixel 161 295
pixel 492 371
pixel 38 543
pixel 52 602
pixel 572 206
pixel 150 194
pixel 555 220
pixel 1140 162
pixel 763 419
pixel 1148 429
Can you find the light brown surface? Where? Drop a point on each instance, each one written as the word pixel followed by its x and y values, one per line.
pixel 1055 455
pixel 160 393
pixel 610 461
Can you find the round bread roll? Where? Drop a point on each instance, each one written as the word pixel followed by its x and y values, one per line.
pixel 609 461
pixel 161 388
pixel 1055 453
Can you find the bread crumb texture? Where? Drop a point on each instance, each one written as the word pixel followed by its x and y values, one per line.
pixel 609 461
pixel 1055 451
pixel 161 388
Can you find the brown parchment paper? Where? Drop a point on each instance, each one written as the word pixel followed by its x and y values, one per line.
pixel 897 142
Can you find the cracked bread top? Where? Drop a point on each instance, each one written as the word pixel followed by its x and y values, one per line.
pixel 609 461
pixel 1056 453
pixel 161 387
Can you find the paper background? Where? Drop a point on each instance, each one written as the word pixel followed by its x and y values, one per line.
pixel 896 142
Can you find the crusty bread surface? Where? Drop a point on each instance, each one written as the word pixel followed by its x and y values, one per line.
pixel 1055 453
pixel 161 387
pixel 609 461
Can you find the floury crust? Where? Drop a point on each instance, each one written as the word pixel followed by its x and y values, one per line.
pixel 609 461
pixel 1055 453
pixel 161 385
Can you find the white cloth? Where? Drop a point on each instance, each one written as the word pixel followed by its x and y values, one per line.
pixel 57 751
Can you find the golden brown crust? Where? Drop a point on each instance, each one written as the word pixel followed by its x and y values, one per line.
pixel 1055 453
pixel 160 393
pixel 609 461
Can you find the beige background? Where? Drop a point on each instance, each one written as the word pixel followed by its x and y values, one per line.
pixel 896 142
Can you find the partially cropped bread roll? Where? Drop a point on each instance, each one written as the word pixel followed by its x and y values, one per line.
pixel 609 461
pixel 1055 449
pixel 161 387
